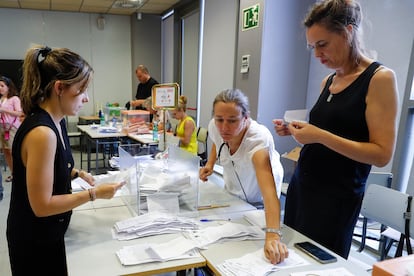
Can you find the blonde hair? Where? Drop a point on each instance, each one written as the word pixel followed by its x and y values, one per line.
pixel 182 103
pixel 44 66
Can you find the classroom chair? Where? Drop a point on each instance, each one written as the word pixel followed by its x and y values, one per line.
pixel 202 136
pixel 392 209
pixel 380 178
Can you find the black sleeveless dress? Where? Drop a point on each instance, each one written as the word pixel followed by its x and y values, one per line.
pixel 36 244
pixel 325 193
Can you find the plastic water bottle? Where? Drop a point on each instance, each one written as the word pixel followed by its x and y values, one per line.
pixel 155 131
pixel 101 118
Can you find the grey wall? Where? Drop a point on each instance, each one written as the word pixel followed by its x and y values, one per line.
pixel 218 54
pixel 107 50
pixel 145 47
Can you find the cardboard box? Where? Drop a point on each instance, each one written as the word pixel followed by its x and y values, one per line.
pixel 289 161
pixel 135 116
pixel 293 154
pixel 401 266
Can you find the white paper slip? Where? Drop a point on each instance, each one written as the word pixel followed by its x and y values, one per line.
pixel 297 115
pixel 256 264
pixel 339 271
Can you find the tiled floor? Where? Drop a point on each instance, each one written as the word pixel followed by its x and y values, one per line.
pixel 365 259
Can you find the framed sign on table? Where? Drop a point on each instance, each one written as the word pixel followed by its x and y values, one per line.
pixel 165 96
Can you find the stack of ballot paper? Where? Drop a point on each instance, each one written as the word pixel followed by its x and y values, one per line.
pixel 151 224
pixel 256 264
pixel 187 246
pixel 228 231
pixel 179 248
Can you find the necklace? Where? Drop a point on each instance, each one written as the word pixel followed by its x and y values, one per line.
pixel 329 97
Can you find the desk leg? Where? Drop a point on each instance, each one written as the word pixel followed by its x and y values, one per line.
pixel 96 155
pixel 80 149
pixel 88 149
pixel 181 273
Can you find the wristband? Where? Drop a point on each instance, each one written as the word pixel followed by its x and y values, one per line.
pixel 274 230
pixel 92 194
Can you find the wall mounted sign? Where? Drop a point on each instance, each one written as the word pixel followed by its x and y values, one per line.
pixel 251 17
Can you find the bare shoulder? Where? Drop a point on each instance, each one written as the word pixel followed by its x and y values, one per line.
pixel 384 73
pixel 383 86
pixel 42 135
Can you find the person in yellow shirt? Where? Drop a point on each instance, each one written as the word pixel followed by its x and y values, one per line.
pixel 186 128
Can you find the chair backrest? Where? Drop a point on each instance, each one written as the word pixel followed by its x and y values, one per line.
pixel 386 206
pixel 202 136
pixel 380 178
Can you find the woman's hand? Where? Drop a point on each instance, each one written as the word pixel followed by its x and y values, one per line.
pixel 108 190
pixel 280 127
pixel 305 133
pixel 275 251
pixel 87 177
pixel 205 172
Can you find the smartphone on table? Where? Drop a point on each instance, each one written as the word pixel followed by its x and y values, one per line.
pixel 319 254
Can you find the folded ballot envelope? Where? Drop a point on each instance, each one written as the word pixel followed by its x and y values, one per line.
pixel 297 115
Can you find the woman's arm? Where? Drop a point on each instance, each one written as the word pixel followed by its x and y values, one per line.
pixel 380 114
pixel 39 163
pixel 189 128
pixel 207 170
pixel 274 249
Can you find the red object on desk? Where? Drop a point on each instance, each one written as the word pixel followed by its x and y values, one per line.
pixel 393 267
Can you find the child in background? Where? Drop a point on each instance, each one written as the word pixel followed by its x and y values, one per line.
pixel 10 114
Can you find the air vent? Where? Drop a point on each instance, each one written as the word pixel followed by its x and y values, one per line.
pixel 128 4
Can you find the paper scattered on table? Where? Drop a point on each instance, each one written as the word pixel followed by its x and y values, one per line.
pixel 151 224
pixel 228 231
pixel 255 264
pixel 339 271
pixel 297 115
pixel 107 129
pixel 145 253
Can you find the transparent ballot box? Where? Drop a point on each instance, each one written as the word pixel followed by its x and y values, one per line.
pixel 166 183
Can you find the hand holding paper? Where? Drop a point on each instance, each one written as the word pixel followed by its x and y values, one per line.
pixel 297 115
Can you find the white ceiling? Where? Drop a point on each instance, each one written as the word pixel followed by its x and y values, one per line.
pixel 93 6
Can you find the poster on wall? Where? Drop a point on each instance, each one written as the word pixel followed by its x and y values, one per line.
pixel 165 95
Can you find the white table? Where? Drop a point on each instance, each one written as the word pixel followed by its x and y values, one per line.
pixel 218 253
pixel 91 249
pixel 93 136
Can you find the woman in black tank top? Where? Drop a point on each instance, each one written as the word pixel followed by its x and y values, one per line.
pixel 54 86
pixel 351 127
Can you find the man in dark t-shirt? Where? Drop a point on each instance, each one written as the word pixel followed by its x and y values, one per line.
pixel 146 82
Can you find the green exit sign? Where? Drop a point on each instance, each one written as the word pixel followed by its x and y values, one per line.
pixel 251 17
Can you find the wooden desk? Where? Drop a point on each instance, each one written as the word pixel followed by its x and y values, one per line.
pixel 87 120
